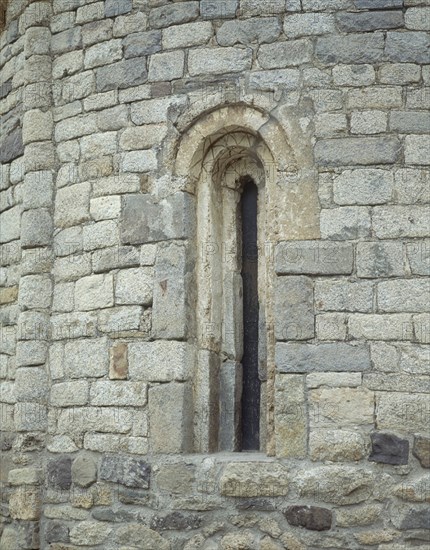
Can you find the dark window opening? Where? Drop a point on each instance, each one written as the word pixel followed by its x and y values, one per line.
pixel 250 417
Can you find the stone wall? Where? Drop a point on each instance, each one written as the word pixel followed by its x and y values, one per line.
pixel 117 116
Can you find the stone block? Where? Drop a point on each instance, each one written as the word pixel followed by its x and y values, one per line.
pixel 105 208
pixel 31 384
pixel 100 235
pixel 230 380
pixel 89 533
pixel 375 97
pixel 166 66
pixel 113 8
pixel 338 357
pixel 31 353
pixel 173 14
pixel 330 125
pixel 97 145
pixel 291 423
pixel 35 292
pixel 357 150
pixel 59 473
pixel 308 24
pixel 402 412
pixel 72 205
pixel 333 379
pixel 399 73
pixel 213 9
pixel 219 60
pixel 74 127
pixel 66 41
pixel 331 326
pixel 71 268
pixel 354 75
pixel 79 420
pixel 190 34
pixel 24 476
pixel 331 407
pixel 416 149
pixel 106 259
pixel 56 532
pixel 67 64
pixel 139 535
pixel 139 44
pixel 120 393
pixel 36 228
pixel 159 361
pixel 38 188
pixel 309 517
pixel 400 221
pixel 86 359
pixel 94 292
pixel 336 445
pixel 37 126
pixel 389 449
pixel 410 122
pixel 421 450
pixel 410 47
pixel 142 137
pixel 313 258
pixel 10 224
pixel 354 48
pixel 152 111
pixel 123 74
pixel 287 79
pixel 368 122
pixel 173 276
pixel 342 485
pixel 248 31
pixel 139 161
pixel 128 24
pixel 418 254
pixel 254 479
pixel 345 223
pixel 119 319
pixel 378 4
pixel 404 295
pixel 293 311
pixel 176 521
pixel 25 504
pixel 118 365
pixel 380 327
pixel 255 7
pixel 96 32
pixel 65 394
pixel 418 18
pixel 285 54
pixel 380 259
pixel 134 286
pixel 170 418
pixel 363 186
pixel 369 21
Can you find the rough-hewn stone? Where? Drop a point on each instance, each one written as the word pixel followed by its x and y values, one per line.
pixel 389 449
pixel 131 472
pixel 309 517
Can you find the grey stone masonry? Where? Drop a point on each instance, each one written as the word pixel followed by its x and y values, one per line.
pixel 130 133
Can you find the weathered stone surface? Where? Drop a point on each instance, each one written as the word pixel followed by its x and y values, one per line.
pixel 69 393
pixel 159 361
pixel 380 259
pixel 138 535
pixel 416 149
pixel 363 186
pixel 31 384
pixel 313 258
pixel 294 317
pixel 290 416
pixel 56 531
pixel 59 473
pixel 336 357
pixel 411 47
pixel 123 74
pixel 389 449
pixel 412 293
pixel 400 221
pixel 346 223
pixel 309 517
pixel 191 34
pixel 254 479
pixel 369 21
pixel 134 286
pixel 142 43
pixel 36 227
pixel 354 48
pixel 170 418
pixel 25 504
pixel 12 146
pixel 417 518
pixel 421 450
pixel 84 470
pixel 89 533
pixel 330 407
pixel 212 9
pixel 365 151
pixel 94 292
pixel 218 61
pixel 143 219
pixel 86 358
pixel 175 521
pixel 378 4
pixel 118 366
pixel 364 515
pixel 336 445
pixel 402 411
pixel 343 485
pixel 131 472
pixel 285 54
pixel 117 7
pixel 265 30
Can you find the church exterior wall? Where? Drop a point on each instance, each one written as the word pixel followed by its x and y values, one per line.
pixel 119 118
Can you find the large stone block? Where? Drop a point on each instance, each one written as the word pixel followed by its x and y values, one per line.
pixel 173 14
pixel 144 220
pixel 357 150
pixel 389 449
pixel 291 423
pixel 400 221
pixel 59 473
pixel 285 54
pixel 294 316
pixel 418 253
pixel 254 479
pixel 80 420
pixel 173 277
pixel 342 295
pixel 170 418
pixel 410 47
pixel 369 21
pixel 72 205
pixel 86 359
pixel 396 326
pixel 313 258
pixel 134 286
pixel 345 223
pixel 114 8
pixel 304 24
pixel 36 227
pixel 110 393
pixel 354 48
pixel 380 259
pixel 219 60
pixel 25 504
pixel 31 384
pixel 89 532
pixel 139 44
pixel 118 320
pixel 363 186
pixel 65 394
pixel 403 412
pixel 123 74
pixel 213 9
pixel 248 31
pixel 332 407
pixel 309 517
pixel 94 292
pixel 191 34
pixel 338 357
pixel 417 148
pixel 336 445
pixel 141 536
pixel 404 295
pixel 410 122
pixel 160 361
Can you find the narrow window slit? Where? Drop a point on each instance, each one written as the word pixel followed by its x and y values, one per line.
pixel 250 421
